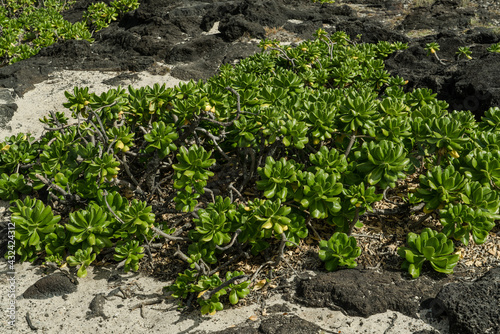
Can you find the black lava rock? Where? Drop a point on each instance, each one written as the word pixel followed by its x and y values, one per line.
pixel 367 292
pixel 279 324
pixel 49 286
pixel 471 307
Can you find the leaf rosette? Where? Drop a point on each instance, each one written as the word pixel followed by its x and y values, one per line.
pixel 441 186
pixel 278 178
pixel 428 246
pixel 386 163
pixel 12 185
pixel 90 228
pixel 339 251
pixel 319 193
pixel 482 166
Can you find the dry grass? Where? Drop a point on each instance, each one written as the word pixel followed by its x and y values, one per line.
pixel 476 22
pixel 420 33
pixel 280 34
pixel 423 3
pixel 271 31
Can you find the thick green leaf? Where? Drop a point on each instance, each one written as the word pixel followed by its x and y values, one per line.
pixel 233 297
pixel 34 239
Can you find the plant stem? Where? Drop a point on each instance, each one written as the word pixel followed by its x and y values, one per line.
pixel 236 233
pixel 354 221
pixel 351 143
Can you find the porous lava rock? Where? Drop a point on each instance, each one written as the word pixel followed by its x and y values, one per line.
pixel 278 324
pixel 367 292
pixel 472 85
pixel 471 307
pixel 52 285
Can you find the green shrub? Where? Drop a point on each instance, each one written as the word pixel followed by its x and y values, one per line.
pixel 294 138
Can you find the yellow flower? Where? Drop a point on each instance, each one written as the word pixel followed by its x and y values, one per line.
pixel 454 154
pixel 119 145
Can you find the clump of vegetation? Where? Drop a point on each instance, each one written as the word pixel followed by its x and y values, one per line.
pixel 251 160
pixel 30 25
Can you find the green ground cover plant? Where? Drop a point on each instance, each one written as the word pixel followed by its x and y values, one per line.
pixel 339 250
pixel 428 246
pixel 30 25
pixel 251 160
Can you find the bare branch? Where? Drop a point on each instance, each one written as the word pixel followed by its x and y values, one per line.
pixel 67 196
pixel 167 236
pixel 105 196
pixel 214 139
pixel 236 233
pixel 209 294
pixel 183 257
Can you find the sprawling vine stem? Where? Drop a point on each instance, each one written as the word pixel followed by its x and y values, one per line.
pixel 351 143
pixel 208 295
pixel 354 220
